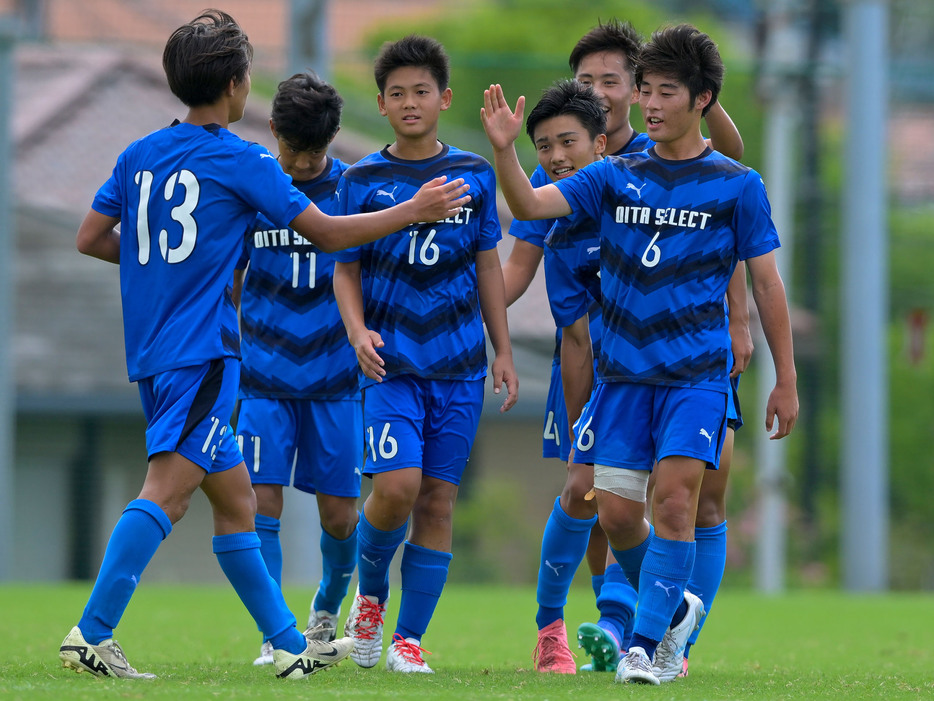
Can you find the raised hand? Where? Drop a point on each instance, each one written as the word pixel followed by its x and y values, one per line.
pixel 501 124
pixel 438 199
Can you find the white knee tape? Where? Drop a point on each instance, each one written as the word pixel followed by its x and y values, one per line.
pixel 628 484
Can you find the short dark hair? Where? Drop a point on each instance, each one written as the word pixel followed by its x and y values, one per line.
pixel 612 35
pixel 306 111
pixel 413 50
pixel 202 57
pixel 686 54
pixel 568 97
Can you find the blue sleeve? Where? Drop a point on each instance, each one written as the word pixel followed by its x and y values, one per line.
pixel 346 204
pixel 263 184
pixel 584 191
pixel 752 220
pixel 491 231
pixel 109 198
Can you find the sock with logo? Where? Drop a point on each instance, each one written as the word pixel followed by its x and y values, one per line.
pixel 239 557
pixel 375 550
pixel 709 563
pixel 665 572
pixel 424 573
pixel 338 560
pixel 134 540
pixel 564 544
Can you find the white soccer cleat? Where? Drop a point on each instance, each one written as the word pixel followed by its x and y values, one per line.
pixel 265 655
pixel 405 655
pixel 106 659
pixel 322 625
pixel 365 626
pixel 636 667
pixel 669 657
pixel 316 656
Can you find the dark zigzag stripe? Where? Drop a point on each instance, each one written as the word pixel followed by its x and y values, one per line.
pixel 468 362
pixel 424 326
pixel 577 234
pixel 701 170
pixel 451 266
pixel 708 367
pixel 629 269
pixel 253 383
pixel 298 349
pixel 230 341
pixel 275 290
pixel 668 323
pixel 416 173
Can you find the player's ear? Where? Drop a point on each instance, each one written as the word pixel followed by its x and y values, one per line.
pixel 702 100
pixel 381 103
pixel 446 98
pixel 599 145
pixel 272 128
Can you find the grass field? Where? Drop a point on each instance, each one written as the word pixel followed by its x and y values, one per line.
pixel 200 642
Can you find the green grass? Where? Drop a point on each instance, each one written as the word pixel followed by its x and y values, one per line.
pixel 200 642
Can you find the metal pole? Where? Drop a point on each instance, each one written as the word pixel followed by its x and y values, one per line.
pixel 864 473
pixel 308 45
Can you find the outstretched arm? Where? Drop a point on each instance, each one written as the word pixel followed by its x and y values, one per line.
pixel 349 296
pixel 769 293
pixel 98 237
pixel 724 136
pixel 435 200
pixel 502 127
pixel 493 308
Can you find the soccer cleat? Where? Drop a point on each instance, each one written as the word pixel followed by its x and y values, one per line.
pixel 265 654
pixel 322 625
pixel 316 656
pixel 669 656
pixel 106 659
pixel 636 667
pixel 600 645
pixel 365 626
pixel 405 655
pixel 552 653
pixel 684 669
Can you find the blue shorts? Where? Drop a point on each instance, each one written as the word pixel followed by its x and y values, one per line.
pixel 556 439
pixel 635 425
pixel 322 440
pixel 414 422
pixel 188 412
pixel 734 414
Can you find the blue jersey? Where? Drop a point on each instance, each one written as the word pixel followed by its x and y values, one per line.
pixel 186 196
pixel 671 234
pixel 420 283
pixel 293 341
pixel 534 231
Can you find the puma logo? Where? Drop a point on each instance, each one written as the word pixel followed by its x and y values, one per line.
pixel 667 589
pixel 553 568
pixel 593 249
pixel 390 195
pixel 630 186
pixel 372 562
pixel 706 435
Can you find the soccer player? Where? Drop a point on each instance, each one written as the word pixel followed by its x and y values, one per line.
pixel 300 405
pixel 412 306
pixel 674 222
pixel 186 196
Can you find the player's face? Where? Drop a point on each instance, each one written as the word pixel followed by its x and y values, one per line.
pixel 564 146
pixel 413 102
pixel 669 113
pixel 606 72
pixel 301 165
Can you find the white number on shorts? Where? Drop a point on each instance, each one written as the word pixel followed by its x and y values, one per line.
pixel 181 214
pixel 651 262
pixel 388 447
pixel 429 252
pixel 297 268
pixel 585 437
pixel 551 429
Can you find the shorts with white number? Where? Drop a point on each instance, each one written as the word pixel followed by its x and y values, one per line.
pixel 556 441
pixel 413 422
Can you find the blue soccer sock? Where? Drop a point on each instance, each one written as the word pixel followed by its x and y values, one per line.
pixel 564 544
pixel 596 583
pixel 375 550
pixel 631 560
pixel 424 573
pixel 617 605
pixel 134 540
pixel 665 573
pixel 267 528
pixel 240 559
pixel 338 560
pixel 709 564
